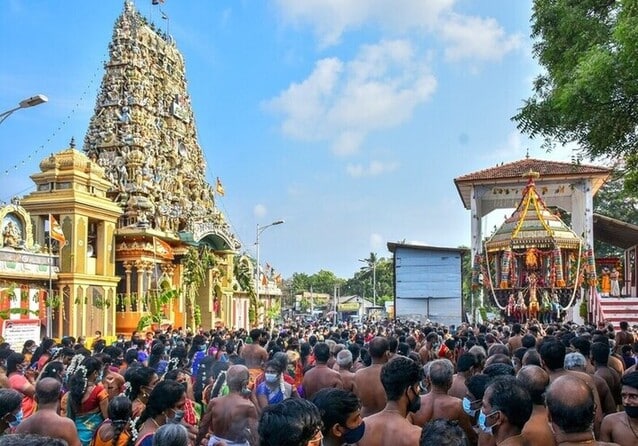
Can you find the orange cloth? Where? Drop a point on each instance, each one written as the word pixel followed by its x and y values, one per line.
pixel 122 441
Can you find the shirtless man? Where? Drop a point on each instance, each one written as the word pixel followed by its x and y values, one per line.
pixel 536 380
pixel 570 406
pixel 234 416
pixel 400 379
pixel 255 356
pixel 600 359
pixel 367 381
pixel 621 427
pixel 516 340
pixel 623 337
pixel 46 420
pixel 438 404
pixel 428 351
pixel 553 357
pixel 576 361
pixel 344 362
pixel 320 376
pixel 465 368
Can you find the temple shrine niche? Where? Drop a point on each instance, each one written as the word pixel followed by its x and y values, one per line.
pixel 533 265
pixel 27 270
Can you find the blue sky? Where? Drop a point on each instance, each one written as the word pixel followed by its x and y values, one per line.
pixel 349 119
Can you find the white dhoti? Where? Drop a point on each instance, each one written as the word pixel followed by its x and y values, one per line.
pixel 215 440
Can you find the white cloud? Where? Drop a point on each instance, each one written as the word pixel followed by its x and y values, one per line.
pixel 476 38
pixel 342 102
pixel 465 36
pixel 260 210
pixel 330 19
pixel 372 169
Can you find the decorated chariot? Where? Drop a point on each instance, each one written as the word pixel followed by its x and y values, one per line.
pixel 534 265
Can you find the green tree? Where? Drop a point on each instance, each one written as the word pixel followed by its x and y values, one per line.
pixel 588 90
pixel 325 281
pixel 197 262
pixel 243 271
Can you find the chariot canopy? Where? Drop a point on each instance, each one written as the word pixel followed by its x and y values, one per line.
pixel 534 258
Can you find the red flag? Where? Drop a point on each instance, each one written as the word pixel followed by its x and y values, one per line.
pixel 264 280
pixel 55 231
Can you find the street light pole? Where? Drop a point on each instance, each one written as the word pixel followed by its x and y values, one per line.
pixel 25 103
pixel 261 229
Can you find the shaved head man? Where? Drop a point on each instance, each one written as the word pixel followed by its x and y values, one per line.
pixel 46 420
pixel 571 410
pixel 231 417
pixel 536 380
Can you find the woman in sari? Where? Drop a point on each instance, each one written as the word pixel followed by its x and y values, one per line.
pixel 142 380
pixel 87 401
pixel 21 379
pixel 274 389
pixel 165 405
pixel 115 430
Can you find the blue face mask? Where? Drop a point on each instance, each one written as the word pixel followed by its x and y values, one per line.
pixel 467 407
pixel 202 348
pixel 18 419
pixel 482 420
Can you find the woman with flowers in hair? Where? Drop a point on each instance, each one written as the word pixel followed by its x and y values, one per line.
pixel 116 429
pixel 141 381
pixel 87 399
pixel 165 405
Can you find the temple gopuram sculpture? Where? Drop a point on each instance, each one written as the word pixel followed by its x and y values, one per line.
pixel 533 265
pixel 143 134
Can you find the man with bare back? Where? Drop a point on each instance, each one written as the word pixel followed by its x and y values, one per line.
pixel 320 376
pixel 367 381
pixel 234 416
pixel 255 355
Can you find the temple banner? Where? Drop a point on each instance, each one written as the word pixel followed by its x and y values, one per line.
pixel 16 332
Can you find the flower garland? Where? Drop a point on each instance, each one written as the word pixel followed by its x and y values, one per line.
pixel 134 432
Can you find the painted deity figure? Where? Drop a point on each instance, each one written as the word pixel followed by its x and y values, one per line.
pixel 614 278
pixel 556 308
pixel 511 305
pixel 520 308
pixel 11 235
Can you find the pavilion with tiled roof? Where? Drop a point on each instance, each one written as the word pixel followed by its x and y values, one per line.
pixel 569 186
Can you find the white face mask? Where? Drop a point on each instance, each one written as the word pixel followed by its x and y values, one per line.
pixel 271 377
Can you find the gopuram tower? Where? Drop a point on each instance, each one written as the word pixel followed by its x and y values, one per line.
pixel 174 249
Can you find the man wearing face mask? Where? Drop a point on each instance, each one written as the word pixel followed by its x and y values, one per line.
pixel 400 379
pixel 341 415
pixel 622 427
pixel 507 406
pixel 46 420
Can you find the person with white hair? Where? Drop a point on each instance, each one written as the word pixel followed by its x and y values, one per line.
pixel 171 434
pixel 344 364
pixel 577 361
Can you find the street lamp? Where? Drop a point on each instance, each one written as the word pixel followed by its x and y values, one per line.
pixel 25 103
pixel 261 229
pixel 372 264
